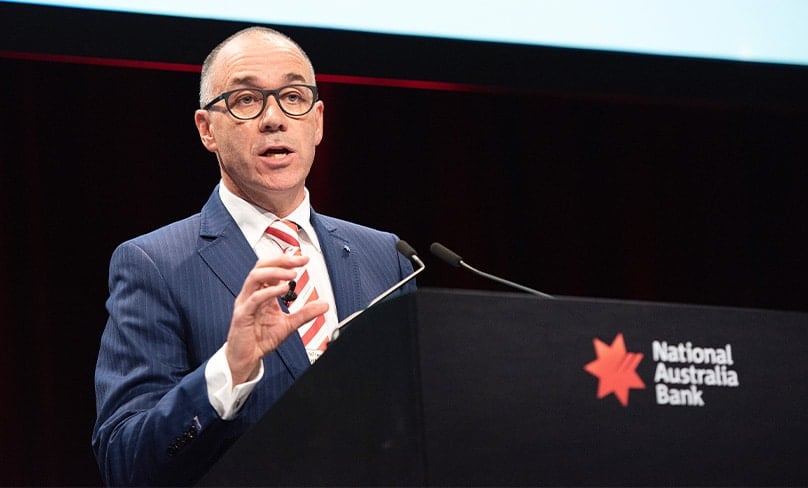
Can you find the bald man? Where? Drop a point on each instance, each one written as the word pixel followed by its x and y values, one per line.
pixel 213 318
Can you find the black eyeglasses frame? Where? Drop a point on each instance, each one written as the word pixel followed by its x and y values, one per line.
pixel 265 95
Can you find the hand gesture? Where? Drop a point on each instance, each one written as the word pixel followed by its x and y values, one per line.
pixel 259 325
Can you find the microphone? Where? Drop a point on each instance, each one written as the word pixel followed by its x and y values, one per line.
pixel 408 252
pixel 290 295
pixel 446 255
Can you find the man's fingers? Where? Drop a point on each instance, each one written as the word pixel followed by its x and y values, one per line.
pixel 288 261
pixel 265 292
pixel 266 278
pixel 309 311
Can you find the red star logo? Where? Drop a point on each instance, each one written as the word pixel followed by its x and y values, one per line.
pixel 615 368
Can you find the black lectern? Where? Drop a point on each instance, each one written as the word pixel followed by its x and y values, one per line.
pixel 458 388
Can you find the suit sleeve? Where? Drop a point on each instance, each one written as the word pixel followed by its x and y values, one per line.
pixel 155 424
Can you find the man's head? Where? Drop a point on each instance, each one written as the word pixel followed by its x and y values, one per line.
pixel 266 159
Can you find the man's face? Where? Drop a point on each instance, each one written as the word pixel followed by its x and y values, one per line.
pixel 264 160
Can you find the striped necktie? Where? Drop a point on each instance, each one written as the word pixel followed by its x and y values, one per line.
pixel 313 334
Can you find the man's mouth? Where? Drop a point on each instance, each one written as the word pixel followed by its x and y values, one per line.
pixel 276 152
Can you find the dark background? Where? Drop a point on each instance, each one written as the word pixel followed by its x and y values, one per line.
pixel 576 172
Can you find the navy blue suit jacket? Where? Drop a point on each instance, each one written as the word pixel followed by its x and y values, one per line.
pixel 170 305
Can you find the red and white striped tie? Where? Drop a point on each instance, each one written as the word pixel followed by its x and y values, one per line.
pixel 284 232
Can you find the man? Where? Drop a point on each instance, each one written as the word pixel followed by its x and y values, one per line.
pixel 205 329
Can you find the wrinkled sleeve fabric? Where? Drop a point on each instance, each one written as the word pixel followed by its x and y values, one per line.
pixel 225 397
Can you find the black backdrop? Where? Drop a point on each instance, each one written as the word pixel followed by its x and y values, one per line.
pixel 575 172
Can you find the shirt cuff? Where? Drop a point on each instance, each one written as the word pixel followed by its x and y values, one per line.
pixel 225 399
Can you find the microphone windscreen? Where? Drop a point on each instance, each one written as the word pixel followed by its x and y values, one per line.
pixel 405 249
pixel 442 252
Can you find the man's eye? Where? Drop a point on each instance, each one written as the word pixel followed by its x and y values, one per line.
pixel 245 99
pixel 292 97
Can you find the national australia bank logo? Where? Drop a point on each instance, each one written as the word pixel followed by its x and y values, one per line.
pixel 616 369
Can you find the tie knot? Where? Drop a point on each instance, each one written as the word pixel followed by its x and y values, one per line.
pixel 285 233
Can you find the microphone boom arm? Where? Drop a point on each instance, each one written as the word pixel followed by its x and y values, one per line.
pixel 447 255
pixel 504 281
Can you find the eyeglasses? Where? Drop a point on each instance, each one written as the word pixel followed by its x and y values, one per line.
pixel 249 103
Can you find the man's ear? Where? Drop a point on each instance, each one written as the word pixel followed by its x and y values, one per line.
pixel 203 126
pixel 319 109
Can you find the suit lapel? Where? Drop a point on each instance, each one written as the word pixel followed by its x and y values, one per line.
pixel 342 264
pixel 222 245
pixel 229 256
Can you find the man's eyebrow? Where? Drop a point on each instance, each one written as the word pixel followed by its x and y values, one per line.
pixel 244 81
pixel 290 77
pixel 252 81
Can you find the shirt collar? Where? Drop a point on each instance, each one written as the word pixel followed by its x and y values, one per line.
pixel 254 220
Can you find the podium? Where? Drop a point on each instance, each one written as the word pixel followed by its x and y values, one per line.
pixel 465 388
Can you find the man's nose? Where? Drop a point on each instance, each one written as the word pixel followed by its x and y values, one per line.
pixel 273 118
